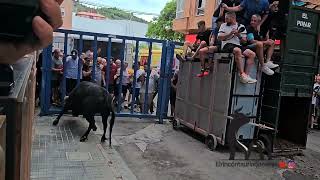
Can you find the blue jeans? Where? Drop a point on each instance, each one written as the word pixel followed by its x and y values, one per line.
pixel 214 24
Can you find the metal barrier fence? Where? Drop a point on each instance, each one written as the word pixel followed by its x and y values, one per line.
pixel 165 72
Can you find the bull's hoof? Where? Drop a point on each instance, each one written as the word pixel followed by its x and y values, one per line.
pixel 83 138
pixel 55 122
pixel 103 139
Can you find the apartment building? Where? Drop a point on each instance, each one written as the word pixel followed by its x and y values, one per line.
pixel 189 12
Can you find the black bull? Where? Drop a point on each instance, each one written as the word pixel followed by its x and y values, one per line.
pixel 89 99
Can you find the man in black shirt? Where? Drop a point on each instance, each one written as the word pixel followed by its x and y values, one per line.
pixel 258 43
pixel 202 40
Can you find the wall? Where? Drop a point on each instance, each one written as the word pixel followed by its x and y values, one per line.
pixel 66 10
pixel 188 23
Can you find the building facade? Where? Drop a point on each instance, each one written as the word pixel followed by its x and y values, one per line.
pixel 189 12
pixel 66 12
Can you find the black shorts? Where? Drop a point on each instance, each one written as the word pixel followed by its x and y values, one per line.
pixel 228 48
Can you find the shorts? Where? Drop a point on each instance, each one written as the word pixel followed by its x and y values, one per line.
pixel 252 47
pixel 228 48
pixel 124 90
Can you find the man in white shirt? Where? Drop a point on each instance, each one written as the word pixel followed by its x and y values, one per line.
pixel 232 35
pixel 72 71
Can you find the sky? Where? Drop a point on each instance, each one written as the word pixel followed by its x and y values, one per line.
pixel 148 6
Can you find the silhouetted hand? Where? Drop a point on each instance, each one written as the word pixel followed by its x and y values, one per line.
pixel 11 52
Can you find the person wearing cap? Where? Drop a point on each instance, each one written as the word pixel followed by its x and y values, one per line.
pixel 71 71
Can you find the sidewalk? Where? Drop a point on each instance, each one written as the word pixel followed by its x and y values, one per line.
pixel 57 154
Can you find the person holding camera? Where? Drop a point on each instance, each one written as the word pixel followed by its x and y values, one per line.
pixel 12 51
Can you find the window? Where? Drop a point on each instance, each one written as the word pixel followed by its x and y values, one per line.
pixel 201 6
pixel 180 9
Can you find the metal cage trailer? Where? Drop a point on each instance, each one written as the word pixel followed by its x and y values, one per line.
pixel 204 104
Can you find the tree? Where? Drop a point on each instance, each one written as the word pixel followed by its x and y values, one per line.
pixel 161 27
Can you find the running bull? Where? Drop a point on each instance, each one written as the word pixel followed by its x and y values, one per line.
pixel 89 99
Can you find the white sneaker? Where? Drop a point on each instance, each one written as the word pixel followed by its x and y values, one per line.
pixel 270 65
pixel 267 70
pixel 247 79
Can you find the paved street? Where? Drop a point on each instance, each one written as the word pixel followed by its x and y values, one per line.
pixel 144 150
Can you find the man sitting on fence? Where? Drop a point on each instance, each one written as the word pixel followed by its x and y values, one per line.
pixel 258 44
pixel 202 40
pixel 208 52
pixel 232 34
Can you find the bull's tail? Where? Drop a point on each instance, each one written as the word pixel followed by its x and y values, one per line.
pixel 113 117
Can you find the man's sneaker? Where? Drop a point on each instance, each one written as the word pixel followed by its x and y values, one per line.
pixel 270 65
pixel 203 73
pixel 200 75
pixel 247 79
pixel 267 70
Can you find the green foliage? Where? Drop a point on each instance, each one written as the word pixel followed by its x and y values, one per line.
pixel 146 46
pixel 161 27
pixel 111 13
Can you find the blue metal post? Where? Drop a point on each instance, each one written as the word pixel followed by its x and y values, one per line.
pixel 162 78
pixel 121 76
pixel 146 105
pixel 95 56
pixel 108 63
pixel 169 75
pixel 166 88
pixel 136 68
pixel 64 66
pixel 46 80
pixel 80 63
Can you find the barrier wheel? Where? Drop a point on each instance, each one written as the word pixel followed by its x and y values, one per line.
pixel 175 124
pixel 211 142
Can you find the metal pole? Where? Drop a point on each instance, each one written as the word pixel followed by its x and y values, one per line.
pixel 109 63
pixel 80 63
pixel 64 66
pixel 146 105
pixel 136 68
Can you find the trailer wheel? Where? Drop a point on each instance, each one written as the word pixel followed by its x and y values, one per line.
pixel 211 142
pixel 175 124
